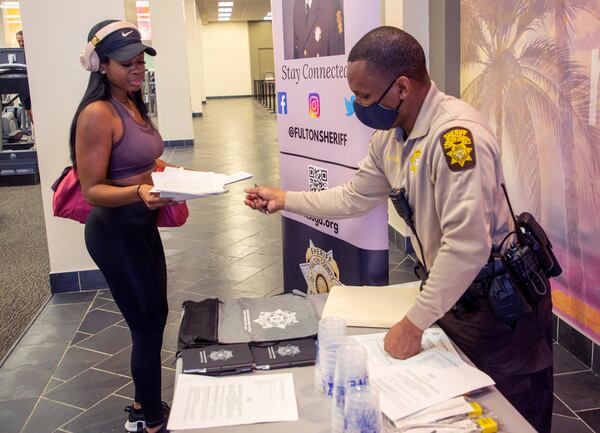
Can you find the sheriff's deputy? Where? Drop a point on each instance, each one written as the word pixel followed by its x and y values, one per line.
pixel 318 28
pixel 445 156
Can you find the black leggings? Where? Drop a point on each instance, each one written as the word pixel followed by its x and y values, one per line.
pixel 125 244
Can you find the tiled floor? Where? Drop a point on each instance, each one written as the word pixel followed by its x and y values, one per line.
pixel 70 372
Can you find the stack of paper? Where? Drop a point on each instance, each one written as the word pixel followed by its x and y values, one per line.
pixel 432 377
pixel 454 407
pixel 433 338
pixel 201 402
pixel 182 184
pixel 429 378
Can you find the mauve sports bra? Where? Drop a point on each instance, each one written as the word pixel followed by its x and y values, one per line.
pixel 138 149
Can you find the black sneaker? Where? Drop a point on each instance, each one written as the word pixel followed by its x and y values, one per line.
pixel 136 423
pixel 163 429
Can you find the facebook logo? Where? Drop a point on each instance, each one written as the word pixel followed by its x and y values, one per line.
pixel 282 102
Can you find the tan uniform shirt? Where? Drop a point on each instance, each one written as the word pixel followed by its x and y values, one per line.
pixel 450 167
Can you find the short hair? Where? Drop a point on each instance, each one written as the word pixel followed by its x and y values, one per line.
pixel 19 33
pixel 391 52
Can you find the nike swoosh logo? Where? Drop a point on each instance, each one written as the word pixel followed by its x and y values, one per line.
pixel 125 34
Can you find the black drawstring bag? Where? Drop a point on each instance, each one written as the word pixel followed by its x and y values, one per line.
pixel 199 325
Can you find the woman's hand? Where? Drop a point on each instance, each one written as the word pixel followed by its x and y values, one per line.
pixel 152 200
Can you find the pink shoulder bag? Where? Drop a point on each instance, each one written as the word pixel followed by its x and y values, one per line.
pixel 68 202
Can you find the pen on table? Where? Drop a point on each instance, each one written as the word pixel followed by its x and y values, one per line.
pixel 262 209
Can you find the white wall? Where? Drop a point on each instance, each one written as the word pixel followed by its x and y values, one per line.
pixel 416 22
pixel 3 43
pixel 171 70
pixel 393 11
pixel 200 59
pixel 57 83
pixel 130 11
pixel 226 51
pixel 196 72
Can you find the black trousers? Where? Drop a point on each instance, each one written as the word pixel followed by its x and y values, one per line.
pixel 125 244
pixel 518 358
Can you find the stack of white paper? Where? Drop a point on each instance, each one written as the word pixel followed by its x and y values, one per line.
pixel 433 338
pixel 202 401
pixel 237 176
pixel 450 408
pixel 181 184
pixel 430 378
pixel 426 379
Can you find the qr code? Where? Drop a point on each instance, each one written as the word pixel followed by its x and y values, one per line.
pixel 317 178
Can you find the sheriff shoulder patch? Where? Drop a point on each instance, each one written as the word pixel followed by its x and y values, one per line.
pixel 459 149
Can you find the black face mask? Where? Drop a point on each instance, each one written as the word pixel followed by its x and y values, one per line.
pixel 377 116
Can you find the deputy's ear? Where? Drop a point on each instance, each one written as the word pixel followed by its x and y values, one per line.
pixel 403 86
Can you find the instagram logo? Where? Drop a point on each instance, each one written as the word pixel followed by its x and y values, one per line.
pixel 314 105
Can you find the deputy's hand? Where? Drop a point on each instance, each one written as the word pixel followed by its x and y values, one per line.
pixel 152 200
pixel 264 198
pixel 403 340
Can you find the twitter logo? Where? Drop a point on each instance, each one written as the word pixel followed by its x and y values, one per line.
pixel 349 105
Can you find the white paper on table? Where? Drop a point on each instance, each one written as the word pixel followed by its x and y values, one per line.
pixel 446 409
pixel 436 338
pixel 426 379
pixel 376 356
pixel 461 426
pixel 201 401
pixel 237 176
pixel 371 306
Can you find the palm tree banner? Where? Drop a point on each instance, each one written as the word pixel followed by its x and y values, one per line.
pixel 532 68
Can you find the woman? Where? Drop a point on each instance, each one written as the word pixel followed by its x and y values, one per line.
pixel 115 148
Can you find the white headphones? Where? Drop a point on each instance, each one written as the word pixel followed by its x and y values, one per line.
pixel 89 58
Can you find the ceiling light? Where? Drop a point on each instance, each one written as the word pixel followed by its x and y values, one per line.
pixel 220 4
pixel 268 18
pixel 224 15
pixel 223 19
pixel 142 3
pixel 268 15
pixel 225 9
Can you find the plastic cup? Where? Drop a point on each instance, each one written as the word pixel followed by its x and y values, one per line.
pixel 327 359
pixel 331 330
pixel 350 371
pixel 361 411
pixel 332 326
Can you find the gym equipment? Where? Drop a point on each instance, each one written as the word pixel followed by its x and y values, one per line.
pixel 149 92
pixel 18 157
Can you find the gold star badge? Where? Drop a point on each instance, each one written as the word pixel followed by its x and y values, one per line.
pixel 414 161
pixel 340 23
pixel 458 147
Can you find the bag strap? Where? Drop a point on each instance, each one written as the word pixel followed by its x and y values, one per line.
pixel 60 178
